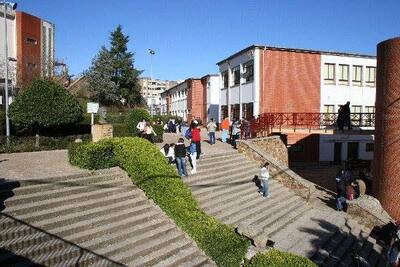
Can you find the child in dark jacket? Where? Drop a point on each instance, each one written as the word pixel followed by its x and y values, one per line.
pixel 180 155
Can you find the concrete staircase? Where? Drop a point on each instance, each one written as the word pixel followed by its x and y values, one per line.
pixel 224 188
pixel 90 219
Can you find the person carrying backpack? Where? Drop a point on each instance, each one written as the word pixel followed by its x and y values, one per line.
pixel 180 156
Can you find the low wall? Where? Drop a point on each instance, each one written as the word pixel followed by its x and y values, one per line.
pixel 275 147
pixel 280 171
pixel 366 209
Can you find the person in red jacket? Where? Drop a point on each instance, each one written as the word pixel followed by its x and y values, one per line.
pixel 196 137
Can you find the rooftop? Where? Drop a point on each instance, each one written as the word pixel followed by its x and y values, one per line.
pixel 296 50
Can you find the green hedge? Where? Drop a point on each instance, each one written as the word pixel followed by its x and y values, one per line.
pixel 92 155
pixel 149 170
pixel 276 258
pixel 159 130
pixel 121 130
pixel 133 118
pixel 27 143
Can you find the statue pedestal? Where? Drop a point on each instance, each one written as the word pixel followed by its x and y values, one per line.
pixel 101 131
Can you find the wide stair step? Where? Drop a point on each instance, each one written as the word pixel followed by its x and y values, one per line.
pixel 89 219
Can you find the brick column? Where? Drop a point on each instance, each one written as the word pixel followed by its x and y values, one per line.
pixel 387 127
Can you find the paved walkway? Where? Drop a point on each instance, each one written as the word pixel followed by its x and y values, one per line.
pixel 36 165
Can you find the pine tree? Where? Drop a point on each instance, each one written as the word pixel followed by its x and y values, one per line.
pixel 113 79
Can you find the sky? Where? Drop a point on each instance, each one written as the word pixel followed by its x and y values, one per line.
pixel 190 36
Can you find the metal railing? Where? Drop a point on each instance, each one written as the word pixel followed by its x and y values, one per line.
pixel 266 122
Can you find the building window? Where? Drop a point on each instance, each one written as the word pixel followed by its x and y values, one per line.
pixel 225 79
pixel 236 75
pixel 343 74
pixel 369 109
pixel 356 109
pixel 329 73
pixel 248 71
pixel 32 41
pixel 329 117
pixel 369 147
pixel 370 76
pixel 356 115
pixel 357 74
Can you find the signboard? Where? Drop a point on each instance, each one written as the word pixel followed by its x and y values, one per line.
pixel 92 107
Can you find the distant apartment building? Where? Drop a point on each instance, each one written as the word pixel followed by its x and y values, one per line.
pixel 194 98
pixel 151 91
pixel 30 49
pixel 264 79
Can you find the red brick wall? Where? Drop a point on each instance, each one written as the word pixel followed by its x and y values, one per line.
pixel 195 99
pixel 310 144
pixel 289 81
pixel 386 180
pixel 28 26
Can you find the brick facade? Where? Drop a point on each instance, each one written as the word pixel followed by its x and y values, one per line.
pixel 387 127
pixel 196 99
pixel 28 51
pixel 289 81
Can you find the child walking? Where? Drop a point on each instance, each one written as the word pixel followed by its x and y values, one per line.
pixel 264 176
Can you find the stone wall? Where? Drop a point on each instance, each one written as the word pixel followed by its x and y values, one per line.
pixel 275 147
pixel 280 171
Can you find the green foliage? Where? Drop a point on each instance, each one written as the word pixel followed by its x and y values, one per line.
pixel 27 143
pixel 159 130
pixel 276 258
pixel 133 117
pixel 148 169
pixel 44 104
pixel 121 130
pixel 92 155
pixel 165 118
pixel 112 76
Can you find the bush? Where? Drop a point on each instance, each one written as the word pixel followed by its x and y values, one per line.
pixel 121 130
pixel 276 258
pixel 2 122
pixel 92 155
pixel 27 144
pixel 45 103
pixel 159 130
pixel 148 169
pixel 133 118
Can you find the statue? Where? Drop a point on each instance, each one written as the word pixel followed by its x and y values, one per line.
pixel 102 115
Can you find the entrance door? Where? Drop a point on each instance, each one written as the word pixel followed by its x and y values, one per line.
pixel 337 153
pixel 352 150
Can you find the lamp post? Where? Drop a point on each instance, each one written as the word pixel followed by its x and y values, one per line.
pixel 13 7
pixel 151 53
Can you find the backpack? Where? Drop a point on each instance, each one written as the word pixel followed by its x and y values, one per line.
pixel 188 134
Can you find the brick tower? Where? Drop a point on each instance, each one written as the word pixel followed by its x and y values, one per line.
pixel 387 128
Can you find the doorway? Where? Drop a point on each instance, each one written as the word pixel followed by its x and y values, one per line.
pixel 337 154
pixel 352 150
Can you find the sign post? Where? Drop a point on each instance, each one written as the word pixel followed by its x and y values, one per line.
pixel 92 108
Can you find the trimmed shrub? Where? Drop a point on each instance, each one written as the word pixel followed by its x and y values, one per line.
pixel 276 258
pixel 120 130
pixel 148 169
pixel 27 143
pixel 133 118
pixel 159 130
pixel 45 103
pixel 92 155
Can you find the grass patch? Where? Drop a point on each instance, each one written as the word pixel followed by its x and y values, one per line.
pixel 276 258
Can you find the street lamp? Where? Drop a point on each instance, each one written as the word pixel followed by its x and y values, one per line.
pixel 13 6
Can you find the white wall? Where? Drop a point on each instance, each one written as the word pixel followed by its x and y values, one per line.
pixel 340 94
pixel 327 143
pixel 245 92
pixel 179 100
pixel 213 97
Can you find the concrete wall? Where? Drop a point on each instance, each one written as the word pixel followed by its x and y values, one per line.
pixel 327 145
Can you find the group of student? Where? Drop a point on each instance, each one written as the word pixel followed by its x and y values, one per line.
pixel 235 130
pixel 177 153
pixel 145 130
